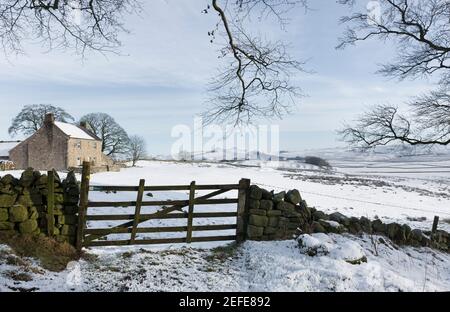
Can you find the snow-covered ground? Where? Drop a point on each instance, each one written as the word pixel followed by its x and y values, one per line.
pixel 254 266
pixel 408 190
pixel 389 197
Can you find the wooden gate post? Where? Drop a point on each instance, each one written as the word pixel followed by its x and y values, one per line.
pixel 137 212
pixel 82 208
pixel 435 224
pixel 191 212
pixel 50 203
pixel 242 210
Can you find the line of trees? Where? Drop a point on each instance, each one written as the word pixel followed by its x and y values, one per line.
pixel 116 142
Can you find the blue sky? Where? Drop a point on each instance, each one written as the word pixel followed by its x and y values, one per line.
pixel 160 79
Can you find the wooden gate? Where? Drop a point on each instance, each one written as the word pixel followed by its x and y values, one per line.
pixel 172 209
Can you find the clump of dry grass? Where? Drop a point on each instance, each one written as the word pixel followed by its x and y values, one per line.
pixel 21 277
pixel 52 255
pixel 223 253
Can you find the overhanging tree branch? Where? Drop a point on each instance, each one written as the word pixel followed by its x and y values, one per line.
pixel 77 24
pixel 421 31
pixel 257 82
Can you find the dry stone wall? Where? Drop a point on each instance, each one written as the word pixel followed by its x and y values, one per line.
pixel 23 205
pixel 283 215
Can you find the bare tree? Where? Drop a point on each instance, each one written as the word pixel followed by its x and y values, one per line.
pixel 136 148
pixel 31 118
pixel 421 32
pixel 114 138
pixel 73 24
pixel 257 81
pixel 427 124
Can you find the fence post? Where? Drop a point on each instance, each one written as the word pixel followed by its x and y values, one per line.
pixel 137 212
pixel 435 224
pixel 242 210
pixel 50 203
pixel 191 212
pixel 84 197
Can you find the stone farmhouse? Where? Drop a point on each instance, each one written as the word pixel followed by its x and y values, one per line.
pixel 60 146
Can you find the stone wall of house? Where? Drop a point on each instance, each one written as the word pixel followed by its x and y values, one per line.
pixel 19 155
pixel 80 150
pixel 48 150
pixel 283 215
pixel 45 149
pixel 23 205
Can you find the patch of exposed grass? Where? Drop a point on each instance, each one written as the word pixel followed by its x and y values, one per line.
pixel 223 253
pixel 3 254
pixel 23 289
pixel 8 258
pixel 21 277
pixel 210 269
pixel 446 220
pixel 153 263
pixel 127 255
pixel 177 252
pixel 52 255
pixel 89 257
pixel 16 261
pixel 418 219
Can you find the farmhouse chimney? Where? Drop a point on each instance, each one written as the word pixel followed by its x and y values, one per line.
pixel 49 119
pixel 83 124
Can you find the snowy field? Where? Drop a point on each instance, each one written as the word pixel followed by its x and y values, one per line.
pixel 409 190
pixel 255 266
